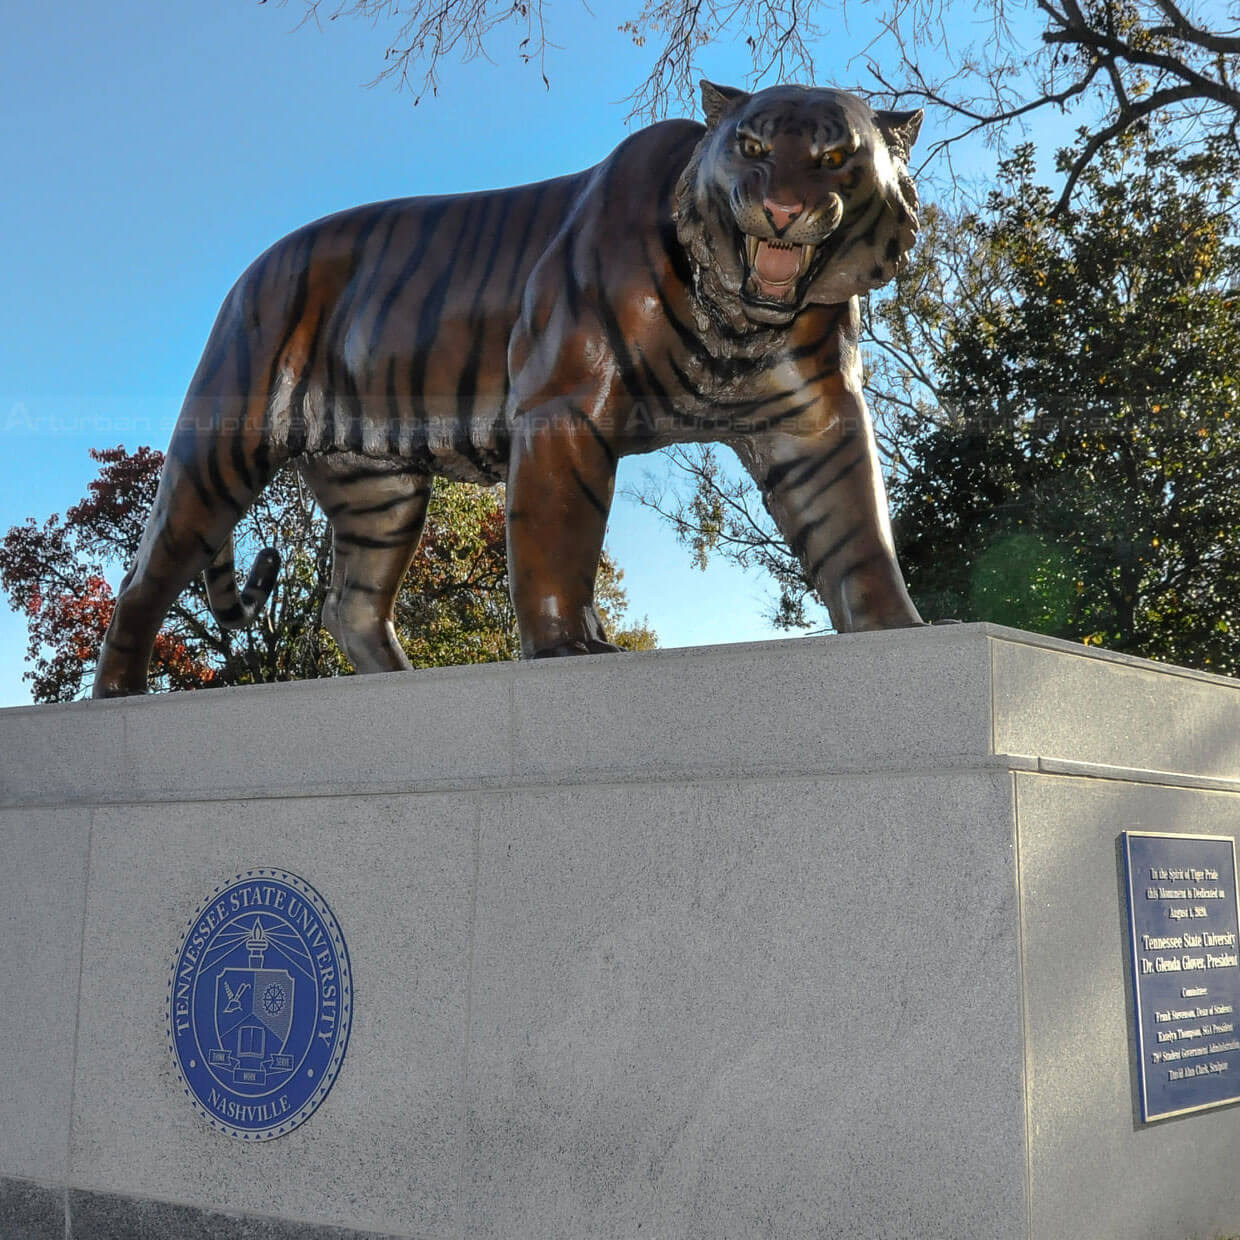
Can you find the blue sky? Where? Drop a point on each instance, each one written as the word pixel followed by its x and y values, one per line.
pixel 152 150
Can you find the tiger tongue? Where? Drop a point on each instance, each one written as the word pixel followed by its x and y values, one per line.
pixel 776 264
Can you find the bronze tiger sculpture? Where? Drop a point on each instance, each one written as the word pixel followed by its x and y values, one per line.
pixel 698 284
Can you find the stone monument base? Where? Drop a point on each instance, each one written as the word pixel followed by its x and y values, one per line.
pixel 817 938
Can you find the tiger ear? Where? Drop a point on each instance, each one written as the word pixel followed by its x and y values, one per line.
pixel 900 129
pixel 716 100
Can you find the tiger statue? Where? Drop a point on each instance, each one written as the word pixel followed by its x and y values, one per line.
pixel 700 284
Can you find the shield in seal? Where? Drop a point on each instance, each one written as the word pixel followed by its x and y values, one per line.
pixel 260 1004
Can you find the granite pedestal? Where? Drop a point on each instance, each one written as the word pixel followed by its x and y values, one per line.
pixel 818 938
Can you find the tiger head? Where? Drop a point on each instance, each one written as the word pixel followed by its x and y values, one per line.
pixel 795 195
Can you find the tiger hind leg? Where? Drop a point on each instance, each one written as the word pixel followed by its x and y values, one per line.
pixel 191 520
pixel 376 519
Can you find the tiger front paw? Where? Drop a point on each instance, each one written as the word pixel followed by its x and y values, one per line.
pixel 586 646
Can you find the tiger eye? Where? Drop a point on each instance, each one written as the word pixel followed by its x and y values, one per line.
pixel 834 158
pixel 752 148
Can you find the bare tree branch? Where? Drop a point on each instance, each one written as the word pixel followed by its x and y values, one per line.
pixel 427 31
pixel 1112 62
pixel 1182 28
pixel 1102 137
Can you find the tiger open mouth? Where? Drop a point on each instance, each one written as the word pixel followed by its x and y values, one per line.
pixel 774 268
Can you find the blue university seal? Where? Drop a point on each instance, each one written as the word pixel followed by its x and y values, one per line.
pixel 259 1004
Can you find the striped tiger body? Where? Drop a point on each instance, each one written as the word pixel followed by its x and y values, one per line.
pixel 700 284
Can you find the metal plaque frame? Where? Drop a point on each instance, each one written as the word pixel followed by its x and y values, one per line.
pixel 1184 928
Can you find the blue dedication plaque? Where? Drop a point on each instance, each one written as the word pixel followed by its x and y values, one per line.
pixel 1182 915
pixel 259 1004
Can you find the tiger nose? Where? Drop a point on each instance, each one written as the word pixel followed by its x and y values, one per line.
pixel 780 215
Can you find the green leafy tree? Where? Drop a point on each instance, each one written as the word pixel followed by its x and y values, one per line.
pixel 453 608
pixel 1086 479
pixel 1057 395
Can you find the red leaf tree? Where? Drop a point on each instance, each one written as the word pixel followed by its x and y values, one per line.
pixel 453 608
